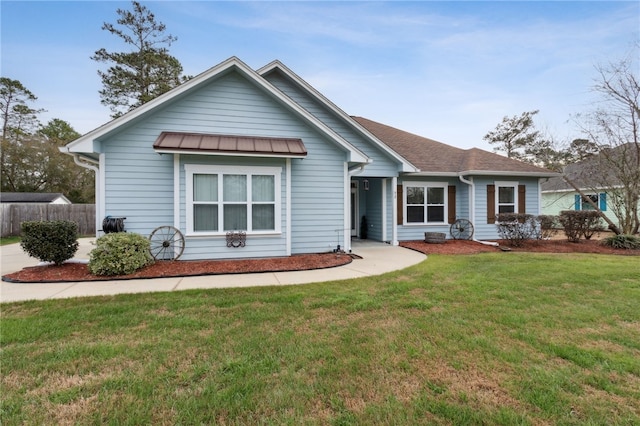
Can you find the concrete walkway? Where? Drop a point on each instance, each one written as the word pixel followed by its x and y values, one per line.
pixel 377 258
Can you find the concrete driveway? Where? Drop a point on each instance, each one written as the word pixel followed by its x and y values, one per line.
pixel 377 258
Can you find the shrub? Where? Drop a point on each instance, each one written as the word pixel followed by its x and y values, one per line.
pixel 626 242
pixel 119 253
pixel 548 226
pixel 516 227
pixel 50 241
pixel 580 223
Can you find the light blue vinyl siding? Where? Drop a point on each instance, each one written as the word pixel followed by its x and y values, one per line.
pixel 140 183
pixel 383 164
pixel 318 187
pixel 488 231
pixel 462 200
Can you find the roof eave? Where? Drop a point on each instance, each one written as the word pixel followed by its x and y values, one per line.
pixel 508 173
pixel 481 172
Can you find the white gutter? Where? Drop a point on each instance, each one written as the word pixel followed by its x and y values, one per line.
pixel 485 173
pixel 91 164
pixel 472 209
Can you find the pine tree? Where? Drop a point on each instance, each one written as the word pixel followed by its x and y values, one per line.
pixel 143 73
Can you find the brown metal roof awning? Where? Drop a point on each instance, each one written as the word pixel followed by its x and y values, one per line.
pixel 196 143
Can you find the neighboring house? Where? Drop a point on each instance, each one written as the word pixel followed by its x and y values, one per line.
pixel 235 149
pixel 33 197
pixel 593 177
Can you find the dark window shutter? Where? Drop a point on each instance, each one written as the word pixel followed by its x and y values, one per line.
pixel 399 206
pixel 491 204
pixel 603 201
pixel 452 203
pixel 522 200
pixel 577 202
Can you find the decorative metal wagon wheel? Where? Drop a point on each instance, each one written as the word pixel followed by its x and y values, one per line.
pixel 166 243
pixel 461 229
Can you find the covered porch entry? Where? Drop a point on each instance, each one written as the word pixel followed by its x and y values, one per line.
pixel 372 212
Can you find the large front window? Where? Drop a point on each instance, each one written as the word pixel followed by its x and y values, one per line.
pixel 222 199
pixel 425 203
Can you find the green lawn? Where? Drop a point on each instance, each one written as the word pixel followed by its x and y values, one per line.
pixel 497 338
pixel 9 240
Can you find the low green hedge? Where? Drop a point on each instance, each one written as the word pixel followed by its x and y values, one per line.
pixel 50 241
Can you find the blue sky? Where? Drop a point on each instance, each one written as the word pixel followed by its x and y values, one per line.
pixel 445 70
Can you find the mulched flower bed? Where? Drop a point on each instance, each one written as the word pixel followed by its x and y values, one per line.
pixel 71 272
pixel 546 246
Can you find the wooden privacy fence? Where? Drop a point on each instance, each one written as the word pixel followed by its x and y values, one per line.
pixel 12 215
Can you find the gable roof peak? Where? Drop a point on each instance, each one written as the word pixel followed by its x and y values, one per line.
pixel 84 144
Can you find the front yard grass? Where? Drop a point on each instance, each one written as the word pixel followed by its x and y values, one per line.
pixel 9 240
pixel 496 338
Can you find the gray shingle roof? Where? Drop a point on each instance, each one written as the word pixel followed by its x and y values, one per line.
pixel 600 170
pixel 431 156
pixel 29 197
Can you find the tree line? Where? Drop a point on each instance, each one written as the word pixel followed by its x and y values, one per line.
pixel 30 157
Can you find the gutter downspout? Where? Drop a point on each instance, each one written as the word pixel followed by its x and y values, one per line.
pixel 94 165
pixel 472 208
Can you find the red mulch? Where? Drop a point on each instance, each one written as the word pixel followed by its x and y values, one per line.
pixel 546 246
pixel 182 268
pixel 163 269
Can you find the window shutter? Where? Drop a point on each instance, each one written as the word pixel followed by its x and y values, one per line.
pixel 603 201
pixel 452 203
pixel 491 204
pixel 577 202
pixel 399 206
pixel 522 200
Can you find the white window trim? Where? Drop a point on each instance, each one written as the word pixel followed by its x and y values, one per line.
pixel 191 169
pixel 425 185
pixel 506 184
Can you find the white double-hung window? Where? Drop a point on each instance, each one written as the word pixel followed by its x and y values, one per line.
pixel 220 199
pixel 507 199
pixel 425 202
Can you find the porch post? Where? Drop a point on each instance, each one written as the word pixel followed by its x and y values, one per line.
pixel 176 191
pixel 287 177
pixel 384 209
pixel 346 230
pixel 394 212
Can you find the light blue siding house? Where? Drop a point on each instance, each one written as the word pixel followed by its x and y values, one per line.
pixel 263 152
